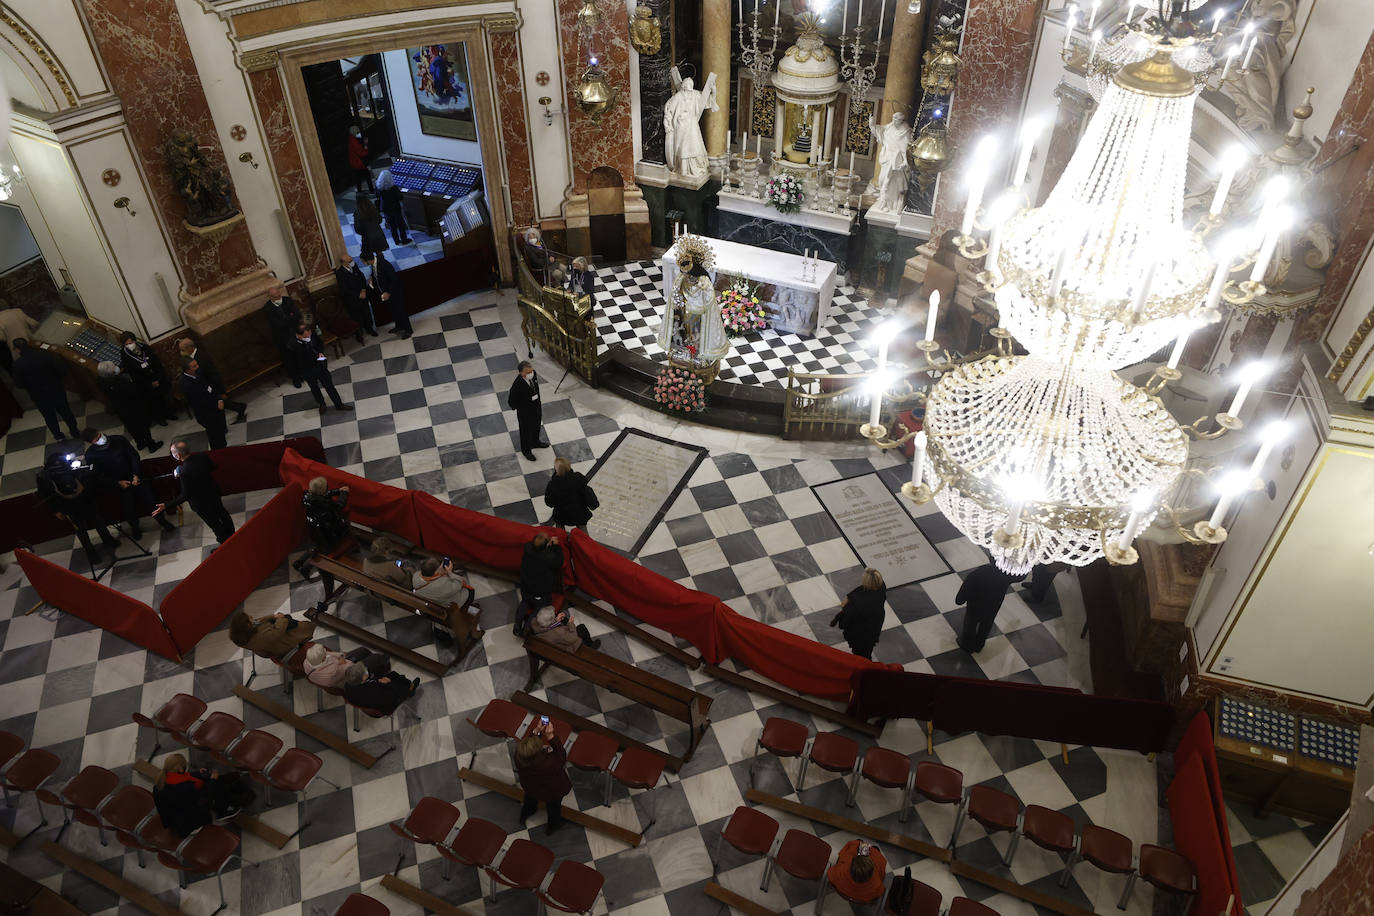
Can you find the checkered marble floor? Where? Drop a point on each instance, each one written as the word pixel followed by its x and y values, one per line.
pixel 1269 851
pixel 425 247
pixel 747 527
pixel 630 311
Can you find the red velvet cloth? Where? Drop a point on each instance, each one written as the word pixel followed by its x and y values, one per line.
pixel 794 661
pixel 1197 742
pixel 646 595
pixel 202 600
pixel 1196 836
pixel 879 694
pixel 478 538
pixel 98 605
pixel 375 505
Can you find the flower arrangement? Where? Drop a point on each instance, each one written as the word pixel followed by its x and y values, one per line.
pixel 784 193
pixel 741 311
pixel 678 389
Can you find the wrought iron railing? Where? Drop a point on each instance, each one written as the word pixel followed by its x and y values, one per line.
pixel 833 407
pixel 559 322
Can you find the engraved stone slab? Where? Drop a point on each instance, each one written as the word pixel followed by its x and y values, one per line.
pixel 880 530
pixel 636 480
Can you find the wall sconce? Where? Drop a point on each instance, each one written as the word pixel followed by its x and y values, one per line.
pixel 549 113
pixel 122 203
pixel 248 158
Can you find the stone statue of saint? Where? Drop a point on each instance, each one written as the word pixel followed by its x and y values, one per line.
pixel 693 332
pixel 1256 90
pixel 683 148
pixel 891 176
pixel 205 187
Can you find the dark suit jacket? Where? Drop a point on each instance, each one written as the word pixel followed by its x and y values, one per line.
pixel 125 400
pixel 203 399
pixel 207 369
pixel 386 280
pixel 41 374
pixel 373 694
pixel 541 571
pixel 307 355
pixel 283 318
pixel 114 461
pixel 524 398
pixel 144 368
pixel 196 476
pixel 984 588
pixel 351 282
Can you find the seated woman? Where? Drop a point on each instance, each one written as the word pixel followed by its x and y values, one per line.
pixel 558 629
pixel 187 800
pixel 326 668
pixel 269 637
pixel 389 561
pixel 858 871
pixel 436 580
pixel 377 687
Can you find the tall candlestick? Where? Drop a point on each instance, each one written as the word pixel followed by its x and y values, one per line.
pixel 882 14
pixel 758 145
pixel 1179 344
pixel 1231 162
pixel 1249 375
pixel 844 25
pixel 859 16
pixel 744 147
pixel 727 143
pixel 741 10
pixel 851 163
pixel 777 11
pixel 932 314
pixel 918 457
pixel 876 408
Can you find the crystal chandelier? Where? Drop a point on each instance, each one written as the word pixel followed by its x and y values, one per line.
pixel 1052 456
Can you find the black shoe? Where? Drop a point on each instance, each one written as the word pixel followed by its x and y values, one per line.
pixel 296 382
pixel 373 332
pixel 960 644
pixel 594 644
pixel 243 415
pixel 541 445
pixel 529 455
pixel 324 408
pixel 344 406
pixel 359 336
pixel 407 242
pixel 157 444
pixel 406 335
pixel 414 686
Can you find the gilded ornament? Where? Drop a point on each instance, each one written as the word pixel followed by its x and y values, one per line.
pixel 858 139
pixel 763 111
pixel 646 36
pixel 588 17
pixel 940 65
pixel 810 45
pixel 929 154
pixel 34 45
pixel 594 94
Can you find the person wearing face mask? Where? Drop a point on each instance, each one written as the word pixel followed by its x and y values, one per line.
pixel 387 284
pixel 117 468
pixel 206 403
pixel 312 366
pixel 523 398
pixel 127 404
pixel 143 366
pixel 188 350
pixel 283 317
pixel 356 295
pixel 195 473
pixel 357 158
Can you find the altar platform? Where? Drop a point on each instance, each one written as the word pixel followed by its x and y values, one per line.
pixel 629 310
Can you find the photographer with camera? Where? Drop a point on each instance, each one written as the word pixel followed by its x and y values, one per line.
pixel 64 485
pixel 116 467
pixel 541 574
pixel 326 514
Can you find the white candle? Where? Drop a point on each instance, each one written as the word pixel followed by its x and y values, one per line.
pixel 932 314
pixel 882 14
pixel 998 214
pixel 878 383
pixel 918 458
pixel 1068 32
pixel 1249 375
pixel 758 145
pixel 1092 48
pixel 1140 507
pixel 1216 20
pixel 1130 11
pixel 1092 12
pixel 756 9
pixel 1030 131
pixel 1143 294
pixel 844 25
pixel 1231 484
pixel 1231 162
pixel 1273 434
pixel 978 176
pixel 1231 53
pixel 1245 64
pixel 1179 344
pixel 1061 265
pixel 744 147
pixel 1218 280
pixel 851 163
pixel 777 11
pixel 1278 223
pixel 741 10
pixel 727 142
pixel 1014 516
pixel 859 17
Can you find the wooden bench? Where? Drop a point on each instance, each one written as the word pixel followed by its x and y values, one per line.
pixel 342 573
pixel 669 698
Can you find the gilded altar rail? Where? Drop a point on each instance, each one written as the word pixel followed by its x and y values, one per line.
pixel 561 323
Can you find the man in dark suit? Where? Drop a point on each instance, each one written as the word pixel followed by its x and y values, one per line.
pixel 282 318
pixel 524 400
pixel 141 363
pixel 117 468
pixel 188 349
pixel 982 592
pixel 206 403
pixel 127 404
pixel 387 284
pixel 357 297
pixel 41 374
pixel 195 473
pixel 308 352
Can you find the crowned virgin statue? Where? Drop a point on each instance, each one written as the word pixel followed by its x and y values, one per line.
pixel 693 334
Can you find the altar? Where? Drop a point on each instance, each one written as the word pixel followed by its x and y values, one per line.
pixel 795 292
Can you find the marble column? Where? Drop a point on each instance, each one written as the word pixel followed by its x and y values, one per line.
pixel 715 58
pixel 509 89
pixel 656 84
pixel 144 49
pixel 903 68
pixel 608 142
pixel 999 41
pixel 1349 185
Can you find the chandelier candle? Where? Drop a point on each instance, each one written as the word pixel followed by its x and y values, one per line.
pixel 1143 504
pixel 1030 131
pixel 931 315
pixel 1280 221
pixel 978 177
pixel 1143 294
pixel 1092 48
pixel 1218 281
pixel 998 214
pixel 1273 434
pixel 1092 12
pixel 1068 34
pixel 1216 20
pixel 918 457
pixel 1231 161
pixel 1232 484
pixel 1254 40
pixel 1248 376
pixel 1231 53
pixel 1179 344
pixel 1013 517
pixel 1060 266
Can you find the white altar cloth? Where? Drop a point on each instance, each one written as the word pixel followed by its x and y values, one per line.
pixel 801 304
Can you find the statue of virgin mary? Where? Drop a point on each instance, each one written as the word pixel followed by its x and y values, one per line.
pixel 692 333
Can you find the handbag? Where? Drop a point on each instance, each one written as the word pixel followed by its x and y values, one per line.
pixel 899 895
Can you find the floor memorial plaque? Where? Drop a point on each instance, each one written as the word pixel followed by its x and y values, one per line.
pixel 881 532
pixel 636 480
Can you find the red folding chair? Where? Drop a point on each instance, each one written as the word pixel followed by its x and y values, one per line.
pixel 782 738
pixel 362 905
pixel 750 831
pixel 29 771
pixel 500 719
pixel 83 794
pixel 126 812
pixel 175 718
pixel 207 850
pixel 637 769
pixel 524 866
pixel 428 824
pixel 574 888
pixel 476 844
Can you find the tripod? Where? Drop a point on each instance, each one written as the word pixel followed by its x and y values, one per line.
pixel 119 537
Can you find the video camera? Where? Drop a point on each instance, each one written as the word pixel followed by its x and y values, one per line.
pixel 65 468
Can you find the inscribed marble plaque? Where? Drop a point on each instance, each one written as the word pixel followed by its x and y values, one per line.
pixel 636 480
pixel 881 532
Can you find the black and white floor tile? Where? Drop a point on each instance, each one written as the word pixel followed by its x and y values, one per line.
pixel 424 247
pixel 747 528
pixel 630 311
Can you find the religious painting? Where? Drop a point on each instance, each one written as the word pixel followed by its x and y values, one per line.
pixel 439 76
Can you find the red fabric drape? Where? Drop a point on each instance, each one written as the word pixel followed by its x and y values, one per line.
pixel 794 661
pixel 1197 741
pixel 646 595
pixel 375 505
pixel 202 600
pixel 98 605
pixel 1196 836
pixel 479 538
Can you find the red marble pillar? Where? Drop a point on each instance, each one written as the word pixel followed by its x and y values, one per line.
pixel 610 141
pixel 1349 186
pixel 999 39
pixel 1349 888
pixel 144 49
pixel 270 96
pixel 515 130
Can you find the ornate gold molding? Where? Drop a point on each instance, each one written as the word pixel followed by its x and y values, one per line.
pixel 499 23
pixel 37 47
pixel 1356 340
pixel 253 61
